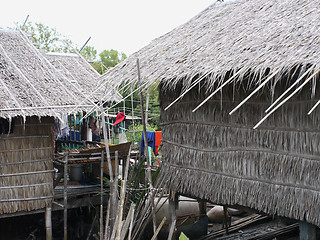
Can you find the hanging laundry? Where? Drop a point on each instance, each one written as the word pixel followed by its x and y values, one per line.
pixel 120 117
pixel 64 126
pixel 158 141
pixel 151 141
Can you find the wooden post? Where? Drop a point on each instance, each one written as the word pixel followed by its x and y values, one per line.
pixel 48 223
pixel 147 105
pixel 134 134
pixel 202 206
pixel 225 219
pixel 308 231
pixel 65 197
pixel 101 195
pixel 173 205
pixel 110 207
pixel 146 153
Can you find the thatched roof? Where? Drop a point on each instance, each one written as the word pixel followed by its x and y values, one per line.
pixel 251 35
pixel 82 74
pixel 30 85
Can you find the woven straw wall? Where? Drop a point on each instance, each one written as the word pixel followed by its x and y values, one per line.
pixel 26 165
pixel 212 155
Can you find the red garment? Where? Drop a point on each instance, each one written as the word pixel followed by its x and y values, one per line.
pixel 158 141
pixel 120 117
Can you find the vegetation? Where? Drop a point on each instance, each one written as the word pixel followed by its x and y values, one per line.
pixel 50 40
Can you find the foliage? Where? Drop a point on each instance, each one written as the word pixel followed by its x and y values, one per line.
pixel 138 132
pixel 89 53
pixel 107 59
pixel 183 237
pixel 154 105
pixel 47 38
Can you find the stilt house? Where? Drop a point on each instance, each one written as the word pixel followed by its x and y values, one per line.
pixel 33 93
pixel 237 59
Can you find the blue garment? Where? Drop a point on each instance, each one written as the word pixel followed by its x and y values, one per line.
pixel 151 138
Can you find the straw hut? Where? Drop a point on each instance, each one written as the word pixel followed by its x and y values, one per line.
pixel 75 68
pixel 32 94
pixel 240 54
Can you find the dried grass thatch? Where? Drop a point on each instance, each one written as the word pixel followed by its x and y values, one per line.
pixel 26 178
pixel 30 85
pixel 212 155
pixel 252 35
pixel 81 73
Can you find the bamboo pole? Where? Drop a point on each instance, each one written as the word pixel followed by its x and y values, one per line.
pixel 217 90
pixel 314 107
pixel 187 90
pixel 25 21
pixel 285 92
pixel 132 113
pixel 48 223
pixel 84 44
pixel 106 230
pixel 276 70
pixel 286 99
pixel 147 105
pixel 105 135
pixel 159 228
pixel 115 195
pixel 131 224
pixel 101 195
pixel 122 195
pixel 172 212
pixel 127 222
pixel 65 198
pixel 148 169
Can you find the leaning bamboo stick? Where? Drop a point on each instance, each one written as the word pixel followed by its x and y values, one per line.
pixel 159 228
pixel 276 70
pixel 127 222
pixel 131 224
pixel 106 230
pixel 314 107
pixel 217 90
pixel 187 90
pixel 132 113
pixel 286 99
pixel 285 92
pixel 148 169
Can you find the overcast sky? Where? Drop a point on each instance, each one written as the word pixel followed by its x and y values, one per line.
pixel 123 25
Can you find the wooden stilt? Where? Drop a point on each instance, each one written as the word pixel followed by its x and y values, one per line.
pixel 65 198
pixel 225 219
pixel 173 205
pixel 48 223
pixel 101 194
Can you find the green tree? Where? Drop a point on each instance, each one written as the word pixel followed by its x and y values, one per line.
pixel 89 53
pixel 108 58
pixel 47 38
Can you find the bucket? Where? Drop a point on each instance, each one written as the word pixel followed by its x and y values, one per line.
pixel 76 172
